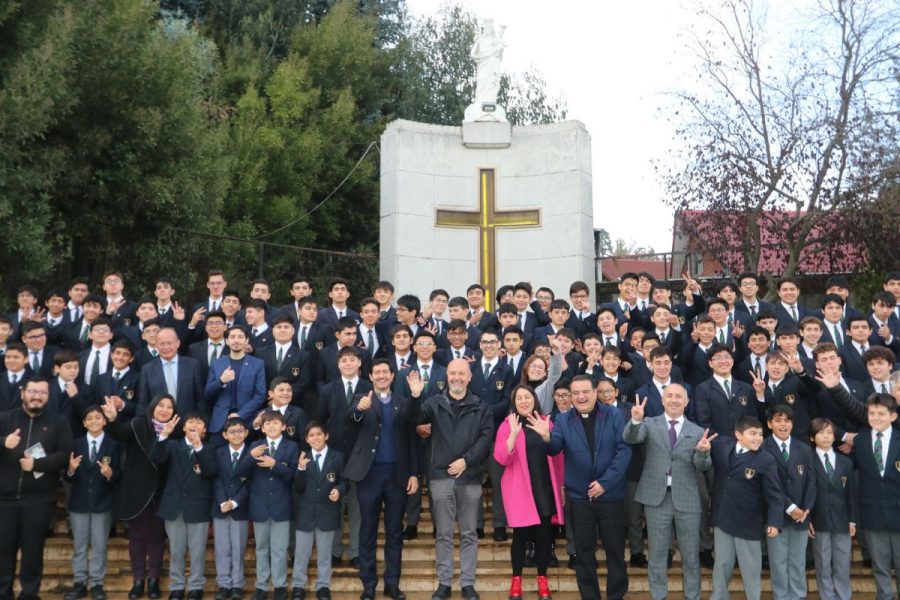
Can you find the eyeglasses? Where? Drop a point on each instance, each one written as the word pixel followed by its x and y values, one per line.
pixel 606 392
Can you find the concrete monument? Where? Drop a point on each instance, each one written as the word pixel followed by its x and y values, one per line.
pixel 486 202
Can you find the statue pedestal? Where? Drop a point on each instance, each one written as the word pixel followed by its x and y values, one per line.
pixel 486 134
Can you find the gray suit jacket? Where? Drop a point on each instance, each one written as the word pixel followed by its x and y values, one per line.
pixel 683 461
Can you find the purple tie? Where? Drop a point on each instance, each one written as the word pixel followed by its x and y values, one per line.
pixel 672 435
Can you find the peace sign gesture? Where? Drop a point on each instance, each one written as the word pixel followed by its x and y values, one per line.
pixel 169 427
pixel 759 383
pixel 637 411
pixel 705 442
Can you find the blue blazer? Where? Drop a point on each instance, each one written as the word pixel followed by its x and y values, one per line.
pixel 719 413
pixel 747 494
pixel 247 393
pixel 91 491
pixel 609 463
pixel 189 396
pixel 232 483
pixel 797 477
pixel 270 489
pixel 188 488
pixel 836 496
pixel 654 406
pixel 494 393
pixel 879 497
pixel 313 487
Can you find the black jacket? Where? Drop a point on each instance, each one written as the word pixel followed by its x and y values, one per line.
pixel 91 491
pixel 53 433
pixel 141 477
pixel 367 426
pixel 188 491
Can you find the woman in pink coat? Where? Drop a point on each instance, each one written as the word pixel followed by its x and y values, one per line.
pixel 531 488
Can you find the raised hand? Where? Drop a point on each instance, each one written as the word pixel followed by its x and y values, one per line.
pixel 177 311
pixel 13 439
pixel 257 451
pixel 539 426
pixel 637 411
pixel 109 408
pixel 884 333
pixel 737 330
pixel 623 329
pixel 74 462
pixel 105 469
pixel 759 384
pixel 365 402
pixel 794 362
pixel 705 443
pixel 199 315
pixel 170 425
pixel 415 383
pixel 554 344
pixel 695 335
pixel 515 425
pixel 829 380
pixel 227 375
pixel 303 461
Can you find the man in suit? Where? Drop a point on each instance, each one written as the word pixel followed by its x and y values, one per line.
pixel 676 450
pixel 17 373
pixel 559 317
pixel 207 350
pixel 596 463
pixel 95 360
pixel 788 310
pixel 626 303
pixel 285 359
pixel 749 302
pixel 236 384
pixel 339 293
pixel 401 355
pixel 581 319
pixel 839 286
pixel 216 284
pixel 384 465
pixel 371 335
pixel 40 355
pixel 172 374
pixel 77 335
pixel 653 392
pixel 121 383
pixel 722 399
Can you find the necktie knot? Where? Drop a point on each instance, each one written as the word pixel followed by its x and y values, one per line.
pixel 272 448
pixel 234 457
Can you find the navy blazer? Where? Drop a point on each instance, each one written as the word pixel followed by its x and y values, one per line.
pixel 761 305
pixel 199 351
pixel 295 421
pixel 785 318
pixel 297 366
pixel 879 496
pixel 232 483
pixel 270 489
pixel 444 355
pixel 327 366
pixel 328 316
pixel 836 497
pixel 609 463
pixel 245 395
pixel 654 406
pixel 334 395
pixel 92 492
pixel 694 363
pixel 11 395
pixel 188 488
pixel 189 396
pixel 313 487
pixel 719 413
pixel 893 326
pixel 823 404
pixel 793 393
pixel 126 388
pixel 493 392
pixel 797 477
pixel 852 365
pixel 747 494
pixel 437 380
pixel 318 337
pixel 83 359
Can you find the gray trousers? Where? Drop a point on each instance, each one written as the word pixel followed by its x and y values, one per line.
pixel 634 516
pixel 662 522
pixel 89 530
pixel 884 548
pixel 271 553
pixel 187 539
pixel 230 544
pixel 303 547
pixel 787 563
pixel 349 503
pixel 455 503
pixel 749 559
pixel 831 553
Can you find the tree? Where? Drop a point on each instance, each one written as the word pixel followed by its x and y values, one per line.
pixel 775 137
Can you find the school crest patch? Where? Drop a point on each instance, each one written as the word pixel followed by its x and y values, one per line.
pixel 129 394
pixel 106 460
pixel 499 385
pixel 291 430
pixel 844 482
pixel 319 345
pixel 897 464
pixel 742 400
pixel 331 477
pixel 789 398
pixel 197 469
pixel 749 473
pixel 440 385
pixel 295 371
pixel 800 470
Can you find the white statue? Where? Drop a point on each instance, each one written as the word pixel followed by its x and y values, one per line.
pixel 488 55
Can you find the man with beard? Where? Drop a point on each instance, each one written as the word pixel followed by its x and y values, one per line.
pixel 36 448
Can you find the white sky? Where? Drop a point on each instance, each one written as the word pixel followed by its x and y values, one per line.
pixel 613 62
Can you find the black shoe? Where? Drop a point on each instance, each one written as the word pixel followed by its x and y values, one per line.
pixel 441 593
pixel 336 561
pixel 479 532
pixel 500 534
pixel 469 593
pixel 670 559
pixel 571 563
pixel 639 561
pixel 195 595
pixel 561 532
pixel 176 595
pixel 298 594
pixel 279 594
pixel 411 532
pixel 368 594
pixel 867 563
pixel 323 594
pixel 223 594
pixel 392 590
pixel 707 561
pixel 79 590
pixel 237 593
pixel 153 590
pixel 98 593
pixel 136 591
pixel 259 594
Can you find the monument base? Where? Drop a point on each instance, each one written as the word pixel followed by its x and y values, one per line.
pixel 486 134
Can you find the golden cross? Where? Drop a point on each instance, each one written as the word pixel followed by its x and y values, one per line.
pixel 486 220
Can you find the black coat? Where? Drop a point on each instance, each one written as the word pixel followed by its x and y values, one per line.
pixel 141 477
pixel 367 426
pixel 188 489
pixel 313 487
pixel 836 496
pixel 92 492
pixel 232 483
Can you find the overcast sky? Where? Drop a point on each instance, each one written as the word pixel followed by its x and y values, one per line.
pixel 614 62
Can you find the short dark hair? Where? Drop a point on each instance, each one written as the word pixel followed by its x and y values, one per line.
pixel 257 303
pixel 385 285
pixel 438 292
pixel 315 425
pixel 817 425
pixel 880 399
pixel 837 281
pixel 879 353
pixel 64 356
pixel 780 409
pixel 832 298
pixel 558 304
pixel 458 302
pixel 747 422
pixel 410 303
pixel 349 351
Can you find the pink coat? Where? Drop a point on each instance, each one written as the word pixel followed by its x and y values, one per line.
pixel 518 498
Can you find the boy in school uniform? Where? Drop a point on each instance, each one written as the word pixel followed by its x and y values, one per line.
pixel 185 500
pixel 270 504
pixel 833 519
pixel 231 493
pixel 747 503
pixel 320 487
pixel 796 472
pixel 94 469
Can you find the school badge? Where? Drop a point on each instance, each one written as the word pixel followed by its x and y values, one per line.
pixel 844 481
pixel 749 473
pixel 330 477
pixel 197 468
pixel 789 398
pixel 127 322
pixel 295 371
pixel 291 430
pixel 800 470
pixel 440 385
pixel 106 460
pixel 681 319
pixel 742 400
pixel 319 345
pixel 499 385
pixel 897 464
pixel 129 394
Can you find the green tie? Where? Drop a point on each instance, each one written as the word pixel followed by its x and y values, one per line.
pixel 370 340
pixel 303 335
pixel 425 377
pixel 727 384
pixel 784 452
pixel 93 451
pixel 730 318
pixel 722 336
pixel 829 468
pixel 84 336
pixel 272 449
pixel 280 358
pixel 95 369
pixel 234 461
pixel 879 459
pixel 837 337
pixel 794 311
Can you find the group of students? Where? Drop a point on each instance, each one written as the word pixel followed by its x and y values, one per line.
pixel 289 417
